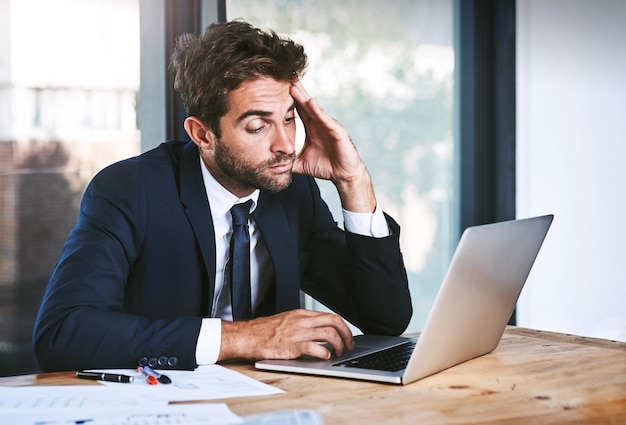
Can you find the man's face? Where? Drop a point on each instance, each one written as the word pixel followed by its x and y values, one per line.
pixel 257 147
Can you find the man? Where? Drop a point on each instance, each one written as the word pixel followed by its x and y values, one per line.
pixel 145 275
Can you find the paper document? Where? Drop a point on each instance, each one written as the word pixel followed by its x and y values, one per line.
pixel 209 382
pixel 65 397
pixel 205 383
pixel 135 402
pixel 196 414
pixel 285 417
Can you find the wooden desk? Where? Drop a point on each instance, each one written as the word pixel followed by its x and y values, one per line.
pixel 533 377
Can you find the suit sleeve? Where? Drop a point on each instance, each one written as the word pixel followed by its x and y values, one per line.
pixel 81 322
pixel 359 277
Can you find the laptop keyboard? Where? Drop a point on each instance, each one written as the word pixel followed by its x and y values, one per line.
pixel 391 359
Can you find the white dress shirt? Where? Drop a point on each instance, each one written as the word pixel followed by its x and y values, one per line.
pixel 261 269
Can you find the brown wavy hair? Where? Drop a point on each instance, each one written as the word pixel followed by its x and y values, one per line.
pixel 209 67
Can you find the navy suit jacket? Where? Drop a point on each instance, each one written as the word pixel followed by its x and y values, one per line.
pixel 137 272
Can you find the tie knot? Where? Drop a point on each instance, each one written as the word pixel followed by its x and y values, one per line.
pixel 240 213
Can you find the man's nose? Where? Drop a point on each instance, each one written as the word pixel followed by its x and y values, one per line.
pixel 284 140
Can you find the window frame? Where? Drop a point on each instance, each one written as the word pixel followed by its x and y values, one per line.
pixel 485 51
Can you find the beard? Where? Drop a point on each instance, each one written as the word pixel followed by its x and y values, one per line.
pixel 252 175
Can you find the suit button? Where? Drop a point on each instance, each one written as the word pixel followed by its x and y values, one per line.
pixel 162 361
pixel 143 361
pixel 172 361
pixel 153 362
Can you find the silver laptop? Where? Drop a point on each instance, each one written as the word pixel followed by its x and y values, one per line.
pixel 468 317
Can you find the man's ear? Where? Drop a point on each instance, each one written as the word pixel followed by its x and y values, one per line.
pixel 201 135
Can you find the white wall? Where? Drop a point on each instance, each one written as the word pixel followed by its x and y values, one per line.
pixel 571 161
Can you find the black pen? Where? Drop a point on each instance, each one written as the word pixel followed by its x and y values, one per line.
pixel 101 376
pixel 161 378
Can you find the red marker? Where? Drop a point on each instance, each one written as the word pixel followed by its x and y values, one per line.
pixel 151 380
pixel 161 378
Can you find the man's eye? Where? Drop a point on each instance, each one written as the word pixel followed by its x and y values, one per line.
pixel 255 129
pixel 289 120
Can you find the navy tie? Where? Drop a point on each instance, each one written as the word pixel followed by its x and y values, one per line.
pixel 240 262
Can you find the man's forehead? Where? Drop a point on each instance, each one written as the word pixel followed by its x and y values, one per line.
pixel 264 95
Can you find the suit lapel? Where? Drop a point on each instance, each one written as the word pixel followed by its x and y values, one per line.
pixel 193 197
pixel 281 245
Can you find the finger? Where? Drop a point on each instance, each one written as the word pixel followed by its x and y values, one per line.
pixel 319 326
pixel 299 94
pixel 310 112
pixel 302 91
pixel 347 339
pixel 343 331
pixel 301 99
pixel 332 329
pixel 306 105
pixel 331 337
pixel 311 348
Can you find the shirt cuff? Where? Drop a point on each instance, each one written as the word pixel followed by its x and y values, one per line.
pixel 209 341
pixel 366 224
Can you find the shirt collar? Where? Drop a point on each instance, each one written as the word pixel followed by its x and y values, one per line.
pixel 221 200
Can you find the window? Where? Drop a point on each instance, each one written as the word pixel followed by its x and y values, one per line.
pixel 386 71
pixel 69 81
